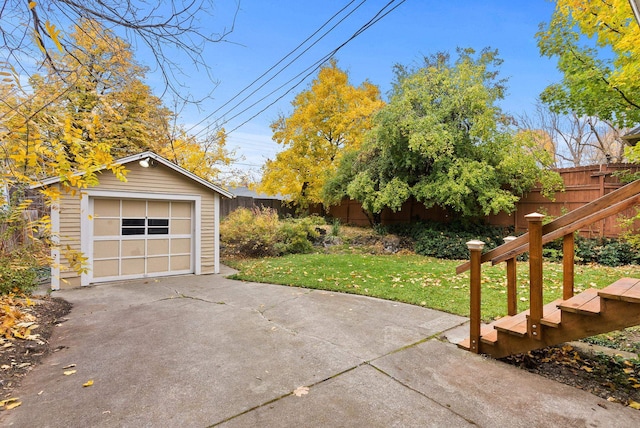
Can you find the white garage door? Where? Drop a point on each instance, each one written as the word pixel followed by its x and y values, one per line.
pixel 135 238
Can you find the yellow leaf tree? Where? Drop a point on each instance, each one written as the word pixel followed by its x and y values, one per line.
pixel 74 126
pixel 597 44
pixel 328 118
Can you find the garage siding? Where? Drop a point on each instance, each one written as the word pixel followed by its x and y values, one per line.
pixel 69 235
pixel 159 179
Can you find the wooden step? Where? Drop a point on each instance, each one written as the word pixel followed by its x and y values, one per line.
pixel 625 289
pixel 586 303
pixel 490 338
pixel 488 335
pixel 515 325
pixel 552 314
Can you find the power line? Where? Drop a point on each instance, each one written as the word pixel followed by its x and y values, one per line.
pixel 377 17
pixel 279 62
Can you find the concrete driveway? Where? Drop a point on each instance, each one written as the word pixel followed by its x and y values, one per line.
pixel 197 351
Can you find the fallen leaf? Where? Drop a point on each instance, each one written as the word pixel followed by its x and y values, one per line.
pixel 10 403
pixel 300 391
pixel 88 383
pixel 587 369
pixel 69 372
pixel 634 404
pixel 628 371
pixel 69 366
pixel 13 405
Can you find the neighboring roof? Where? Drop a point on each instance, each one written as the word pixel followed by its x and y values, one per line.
pixel 244 191
pixel 159 159
pixel 632 136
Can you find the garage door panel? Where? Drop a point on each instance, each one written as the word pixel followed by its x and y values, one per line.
pixel 105 268
pixel 157 247
pixel 158 209
pixel 106 208
pixel 106 227
pixel 181 246
pixel 158 264
pixel 181 227
pixel 180 209
pixel 133 266
pixel 134 208
pixel 180 263
pixel 134 247
pixel 106 249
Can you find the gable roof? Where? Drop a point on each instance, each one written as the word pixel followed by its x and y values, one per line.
pixel 159 159
pixel 244 191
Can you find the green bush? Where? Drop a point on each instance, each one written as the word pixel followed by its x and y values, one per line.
pixel 259 233
pixel 295 236
pixel 449 241
pixel 608 252
pixel 23 252
pixel 19 272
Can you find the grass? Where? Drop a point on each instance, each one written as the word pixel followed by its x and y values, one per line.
pixel 418 280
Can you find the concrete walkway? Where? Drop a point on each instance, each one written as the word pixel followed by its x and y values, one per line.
pixel 207 351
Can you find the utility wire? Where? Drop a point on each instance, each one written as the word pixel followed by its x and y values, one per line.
pixel 279 62
pixel 377 17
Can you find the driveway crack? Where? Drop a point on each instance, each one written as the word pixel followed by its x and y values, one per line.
pixel 180 295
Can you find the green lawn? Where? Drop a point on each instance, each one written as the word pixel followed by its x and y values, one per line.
pixel 417 280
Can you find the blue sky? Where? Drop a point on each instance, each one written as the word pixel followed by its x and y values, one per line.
pixel 266 30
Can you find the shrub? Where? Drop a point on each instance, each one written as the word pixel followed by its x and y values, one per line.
pixel 19 272
pixel 617 253
pixel 295 236
pixel 250 232
pixel 259 232
pixel 450 241
pixel 22 254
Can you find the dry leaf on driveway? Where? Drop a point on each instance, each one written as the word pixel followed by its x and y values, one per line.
pixel 300 391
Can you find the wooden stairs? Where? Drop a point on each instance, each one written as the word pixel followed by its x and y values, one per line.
pixel 586 314
pixel 574 316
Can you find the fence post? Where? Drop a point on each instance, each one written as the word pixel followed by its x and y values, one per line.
pixel 568 254
pixel 475 250
pixel 512 280
pixel 535 275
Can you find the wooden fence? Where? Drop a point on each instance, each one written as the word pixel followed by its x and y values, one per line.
pixel 582 185
pixel 229 205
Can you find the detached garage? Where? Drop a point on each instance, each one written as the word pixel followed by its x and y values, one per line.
pixel 162 221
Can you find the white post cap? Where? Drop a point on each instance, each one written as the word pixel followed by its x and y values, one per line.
pixel 475 245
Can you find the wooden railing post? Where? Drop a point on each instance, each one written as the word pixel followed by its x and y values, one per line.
pixel 535 275
pixel 512 282
pixel 568 254
pixel 475 250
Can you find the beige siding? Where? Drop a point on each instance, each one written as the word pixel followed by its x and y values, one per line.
pixel 69 237
pixel 158 179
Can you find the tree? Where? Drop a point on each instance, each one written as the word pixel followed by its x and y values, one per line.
pixel 442 140
pixel 574 140
pixel 75 127
pixel 331 116
pixel 104 111
pixel 33 30
pixel 597 44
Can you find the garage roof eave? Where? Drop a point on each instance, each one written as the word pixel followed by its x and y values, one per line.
pixel 157 158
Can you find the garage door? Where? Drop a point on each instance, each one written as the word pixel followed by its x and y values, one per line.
pixel 135 238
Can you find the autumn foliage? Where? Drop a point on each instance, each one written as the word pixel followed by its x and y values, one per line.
pixel 329 118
